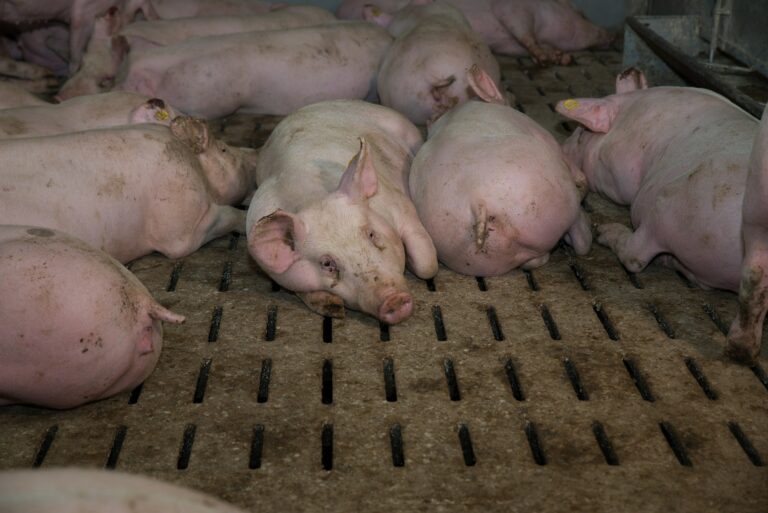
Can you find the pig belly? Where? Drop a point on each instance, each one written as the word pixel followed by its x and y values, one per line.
pixel 76 328
pixel 698 220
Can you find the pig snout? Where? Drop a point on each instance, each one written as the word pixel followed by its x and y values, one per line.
pixel 396 307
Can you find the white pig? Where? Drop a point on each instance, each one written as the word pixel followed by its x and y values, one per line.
pixel 75 325
pixel 331 230
pixel 112 39
pixel 746 334
pixel 84 113
pixel 678 156
pixel 494 189
pixel 128 190
pixel 424 72
pixel 273 72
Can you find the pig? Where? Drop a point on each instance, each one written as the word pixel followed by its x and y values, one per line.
pixel 494 189
pixel 76 490
pixel 78 326
pixel 13 96
pixel 171 9
pixel 84 113
pixel 544 29
pixel 424 72
pixel 79 14
pixel 678 156
pixel 111 40
pixel 339 231
pixel 128 190
pixel 47 47
pixel 746 333
pixel 262 72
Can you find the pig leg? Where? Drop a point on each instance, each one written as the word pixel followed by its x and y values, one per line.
pixel 746 333
pixel 579 235
pixel 634 249
pixel 217 221
pixel 323 303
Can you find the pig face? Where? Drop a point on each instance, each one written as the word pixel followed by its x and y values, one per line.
pixel 106 51
pixel 339 245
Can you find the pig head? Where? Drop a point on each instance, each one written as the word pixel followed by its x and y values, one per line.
pixel 338 246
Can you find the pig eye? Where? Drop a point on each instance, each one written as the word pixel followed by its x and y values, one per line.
pixel 107 83
pixel 328 265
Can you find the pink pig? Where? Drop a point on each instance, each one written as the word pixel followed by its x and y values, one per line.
pixel 545 29
pixel 494 189
pixel 333 231
pixel 679 157
pixel 84 113
pixel 75 325
pixel 745 336
pixel 262 72
pixel 424 72
pixel 128 190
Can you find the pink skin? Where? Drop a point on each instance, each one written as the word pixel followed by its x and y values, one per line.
pixel 71 490
pixel 330 230
pixel 679 157
pixel 424 72
pixel 112 39
pixel 146 187
pixel 544 29
pixel 261 72
pixel 13 96
pixel 47 47
pixel 493 188
pixel 79 327
pixel 746 334
pixel 84 113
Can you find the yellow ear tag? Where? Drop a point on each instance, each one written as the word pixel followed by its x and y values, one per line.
pixel 376 11
pixel 571 104
pixel 161 115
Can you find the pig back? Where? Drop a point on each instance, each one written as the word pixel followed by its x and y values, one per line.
pixel 108 187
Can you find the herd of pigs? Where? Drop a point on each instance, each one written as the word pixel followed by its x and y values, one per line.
pixel 345 194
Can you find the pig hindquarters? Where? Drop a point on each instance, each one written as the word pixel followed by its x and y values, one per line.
pixel 75 325
pixel 128 190
pixel 261 72
pixel 494 189
pixel 334 231
pixel 84 113
pixel 745 336
pixel 423 74
pixel 679 157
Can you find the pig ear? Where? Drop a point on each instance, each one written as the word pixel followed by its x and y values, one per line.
pixel 272 241
pixel 595 114
pixel 631 79
pixel 374 14
pixel 152 111
pixel 109 24
pixel 484 86
pixel 359 181
pixel 192 131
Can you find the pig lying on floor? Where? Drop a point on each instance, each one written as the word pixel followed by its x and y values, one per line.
pixel 77 326
pixel 494 189
pixel 337 230
pixel 128 190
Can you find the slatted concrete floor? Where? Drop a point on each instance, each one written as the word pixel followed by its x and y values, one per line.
pixel 575 387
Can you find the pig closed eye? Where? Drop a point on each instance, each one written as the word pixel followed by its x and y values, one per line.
pixel 107 82
pixel 328 265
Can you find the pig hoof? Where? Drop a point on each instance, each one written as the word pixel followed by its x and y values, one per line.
pixel 740 354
